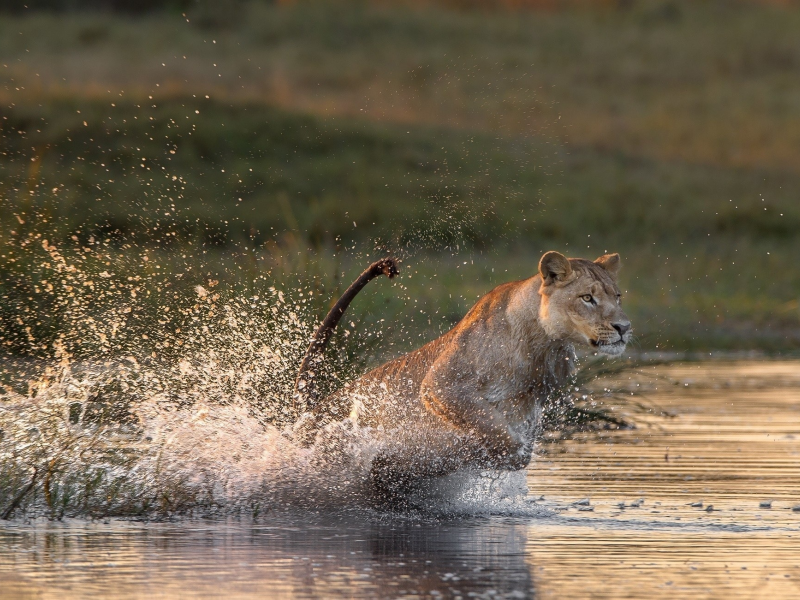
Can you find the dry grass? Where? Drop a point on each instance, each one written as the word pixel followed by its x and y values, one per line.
pixel 700 82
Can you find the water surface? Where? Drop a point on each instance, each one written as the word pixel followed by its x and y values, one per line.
pixel 623 514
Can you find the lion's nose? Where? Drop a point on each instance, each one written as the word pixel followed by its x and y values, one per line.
pixel 622 328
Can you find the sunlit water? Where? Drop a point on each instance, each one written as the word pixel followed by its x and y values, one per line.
pixel 733 443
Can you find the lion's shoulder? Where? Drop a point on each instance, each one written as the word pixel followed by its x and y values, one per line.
pixel 490 306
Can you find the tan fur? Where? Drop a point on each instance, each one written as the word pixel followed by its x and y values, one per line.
pixel 471 396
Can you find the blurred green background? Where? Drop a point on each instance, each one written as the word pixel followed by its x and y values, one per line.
pixel 158 146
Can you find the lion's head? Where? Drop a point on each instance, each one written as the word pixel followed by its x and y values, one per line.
pixel 580 302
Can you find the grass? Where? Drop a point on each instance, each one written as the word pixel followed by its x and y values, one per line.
pixel 468 142
pixel 698 81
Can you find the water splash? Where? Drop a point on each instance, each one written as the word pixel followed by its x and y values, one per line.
pixel 187 418
pixel 152 456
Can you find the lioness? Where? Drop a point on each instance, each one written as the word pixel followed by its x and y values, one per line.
pixel 471 397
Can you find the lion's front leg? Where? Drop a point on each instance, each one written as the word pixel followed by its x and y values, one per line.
pixel 506 460
pixel 497 446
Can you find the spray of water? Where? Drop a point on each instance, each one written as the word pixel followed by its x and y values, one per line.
pixel 188 417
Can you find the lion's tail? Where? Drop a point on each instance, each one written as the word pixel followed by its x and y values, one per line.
pixel 305 391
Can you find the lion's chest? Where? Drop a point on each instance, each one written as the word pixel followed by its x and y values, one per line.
pixel 514 395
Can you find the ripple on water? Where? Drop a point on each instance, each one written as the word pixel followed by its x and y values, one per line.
pixel 729 446
pixel 733 444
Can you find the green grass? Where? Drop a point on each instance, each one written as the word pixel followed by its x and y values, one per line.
pixel 331 134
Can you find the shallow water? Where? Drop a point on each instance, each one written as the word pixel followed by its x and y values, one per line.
pixel 732 443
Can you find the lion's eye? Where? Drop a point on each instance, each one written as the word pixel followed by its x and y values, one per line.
pixel 587 298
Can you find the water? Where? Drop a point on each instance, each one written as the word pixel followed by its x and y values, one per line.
pixel 732 443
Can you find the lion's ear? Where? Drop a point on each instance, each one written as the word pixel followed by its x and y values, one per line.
pixel 611 263
pixel 554 266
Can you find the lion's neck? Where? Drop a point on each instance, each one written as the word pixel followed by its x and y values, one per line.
pixel 546 363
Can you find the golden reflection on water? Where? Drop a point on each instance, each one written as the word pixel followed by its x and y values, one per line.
pixel 732 444
pixel 297 556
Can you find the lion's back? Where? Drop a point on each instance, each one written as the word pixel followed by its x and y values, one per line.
pixel 392 391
